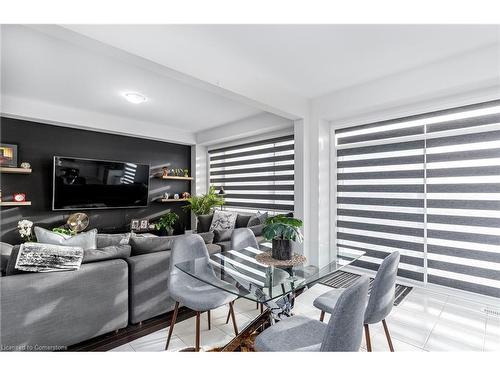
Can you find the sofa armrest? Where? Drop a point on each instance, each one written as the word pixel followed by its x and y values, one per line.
pixel 54 309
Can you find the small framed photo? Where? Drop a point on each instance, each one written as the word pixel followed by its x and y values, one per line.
pixel 134 224
pixel 8 155
pixel 144 224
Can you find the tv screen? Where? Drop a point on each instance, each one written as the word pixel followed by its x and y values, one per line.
pixel 99 184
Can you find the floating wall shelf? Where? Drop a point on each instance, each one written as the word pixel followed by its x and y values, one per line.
pixel 161 200
pixel 175 178
pixel 15 170
pixel 26 203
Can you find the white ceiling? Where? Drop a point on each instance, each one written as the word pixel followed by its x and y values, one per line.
pixel 303 60
pixel 41 67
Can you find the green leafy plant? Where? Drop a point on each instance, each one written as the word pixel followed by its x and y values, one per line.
pixel 204 204
pixel 63 230
pixel 281 227
pixel 167 221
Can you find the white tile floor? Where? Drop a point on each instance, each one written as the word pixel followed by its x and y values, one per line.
pixel 424 321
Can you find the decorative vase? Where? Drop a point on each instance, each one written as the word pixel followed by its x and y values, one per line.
pixel 282 249
pixel 170 231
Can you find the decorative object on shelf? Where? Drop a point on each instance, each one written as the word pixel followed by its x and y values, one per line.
pixel 25 165
pixel 63 230
pixel 185 195
pixel 176 196
pixel 78 222
pixel 204 204
pixel 166 195
pixel 8 155
pixel 19 197
pixel 144 224
pixel 222 191
pixel 134 224
pixel 25 228
pixel 165 172
pixel 166 223
pixel 186 172
pixel 282 230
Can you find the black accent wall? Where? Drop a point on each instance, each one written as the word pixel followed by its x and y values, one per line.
pixel 38 143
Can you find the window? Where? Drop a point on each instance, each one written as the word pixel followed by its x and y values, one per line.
pixel 429 187
pixel 256 176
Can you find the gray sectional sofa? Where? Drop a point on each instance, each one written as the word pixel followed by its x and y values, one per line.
pixel 48 311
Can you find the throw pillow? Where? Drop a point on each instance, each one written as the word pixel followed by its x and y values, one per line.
pixel 257 219
pixel 40 257
pixel 5 251
pixel 208 237
pixel 106 253
pixel 105 240
pixel 222 235
pixel 85 240
pixel 223 220
pixel 257 229
pixel 204 222
pixel 146 245
pixel 242 221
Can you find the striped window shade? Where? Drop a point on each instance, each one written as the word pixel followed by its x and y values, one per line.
pixel 256 176
pixel 429 187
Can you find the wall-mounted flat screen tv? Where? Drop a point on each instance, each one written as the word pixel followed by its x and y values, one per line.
pixel 99 184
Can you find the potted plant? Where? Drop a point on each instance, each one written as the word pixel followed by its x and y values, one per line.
pixel 166 223
pixel 204 204
pixel 186 172
pixel 282 230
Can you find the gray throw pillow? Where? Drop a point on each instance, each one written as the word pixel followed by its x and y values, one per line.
pixel 5 251
pixel 258 219
pixel 204 222
pixel 257 229
pixel 106 253
pixel 11 265
pixel 208 237
pixel 85 240
pixel 242 221
pixel 221 235
pixel 146 245
pixel 105 240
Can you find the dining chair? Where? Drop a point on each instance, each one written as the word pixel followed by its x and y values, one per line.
pixel 343 332
pixel 193 293
pixel 380 302
pixel 243 237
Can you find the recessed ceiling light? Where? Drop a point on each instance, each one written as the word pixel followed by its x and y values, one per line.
pixel 134 97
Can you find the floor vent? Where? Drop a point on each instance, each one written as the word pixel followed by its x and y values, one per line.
pixel 491 312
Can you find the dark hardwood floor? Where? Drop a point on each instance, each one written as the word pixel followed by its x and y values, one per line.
pixel 112 340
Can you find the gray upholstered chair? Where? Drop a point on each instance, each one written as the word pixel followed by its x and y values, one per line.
pixel 342 333
pixel 380 302
pixel 243 237
pixel 193 293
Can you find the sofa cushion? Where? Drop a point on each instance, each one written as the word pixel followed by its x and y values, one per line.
pixel 213 248
pixel 221 235
pixel 105 240
pixel 106 253
pixel 145 245
pixel 257 219
pixel 204 222
pixel 85 240
pixel 242 221
pixel 257 229
pixel 224 245
pixel 223 220
pixel 208 237
pixel 5 251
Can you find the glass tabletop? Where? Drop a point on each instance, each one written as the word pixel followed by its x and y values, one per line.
pixel 239 273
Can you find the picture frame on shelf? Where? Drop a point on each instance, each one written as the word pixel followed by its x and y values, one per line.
pixel 8 155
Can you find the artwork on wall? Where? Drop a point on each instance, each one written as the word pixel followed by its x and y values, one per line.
pixel 8 155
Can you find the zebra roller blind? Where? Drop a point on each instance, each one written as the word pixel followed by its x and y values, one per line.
pixel 429 187
pixel 256 176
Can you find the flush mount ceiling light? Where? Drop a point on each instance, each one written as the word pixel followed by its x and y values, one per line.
pixel 134 97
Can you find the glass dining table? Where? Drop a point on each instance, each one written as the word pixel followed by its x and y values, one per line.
pixel 243 273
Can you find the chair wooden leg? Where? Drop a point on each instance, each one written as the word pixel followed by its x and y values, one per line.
pixel 208 315
pixel 368 341
pixel 257 307
pixel 228 315
pixel 197 345
pixel 388 335
pixel 172 323
pixel 261 308
pixel 231 311
pixel 322 316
